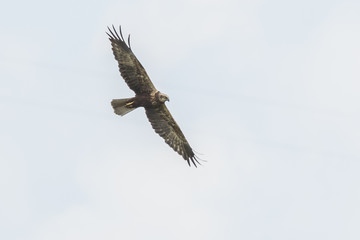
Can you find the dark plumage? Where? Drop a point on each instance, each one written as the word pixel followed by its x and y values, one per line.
pixel 147 96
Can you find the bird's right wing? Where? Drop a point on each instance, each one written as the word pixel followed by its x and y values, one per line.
pixel 130 68
pixel 165 125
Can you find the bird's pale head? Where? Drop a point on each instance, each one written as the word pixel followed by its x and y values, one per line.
pixel 163 97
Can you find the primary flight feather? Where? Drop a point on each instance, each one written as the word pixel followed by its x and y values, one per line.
pixel 147 96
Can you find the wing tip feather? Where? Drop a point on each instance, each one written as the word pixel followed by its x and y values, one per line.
pixel 115 36
pixel 195 161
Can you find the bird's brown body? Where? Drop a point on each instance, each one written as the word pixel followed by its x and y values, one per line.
pixel 145 100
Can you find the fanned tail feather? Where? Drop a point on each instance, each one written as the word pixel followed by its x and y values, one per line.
pixel 120 107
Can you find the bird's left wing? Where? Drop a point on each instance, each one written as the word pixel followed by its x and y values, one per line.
pixel 130 68
pixel 165 125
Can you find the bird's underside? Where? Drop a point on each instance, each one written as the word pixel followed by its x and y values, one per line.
pixel 147 96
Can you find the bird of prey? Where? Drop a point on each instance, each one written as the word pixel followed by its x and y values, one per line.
pixel 147 96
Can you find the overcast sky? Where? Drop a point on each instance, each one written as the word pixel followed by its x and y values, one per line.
pixel 267 92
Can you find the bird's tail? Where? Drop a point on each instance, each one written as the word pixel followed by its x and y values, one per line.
pixel 122 106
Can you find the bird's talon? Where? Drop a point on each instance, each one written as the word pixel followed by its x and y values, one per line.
pixel 129 104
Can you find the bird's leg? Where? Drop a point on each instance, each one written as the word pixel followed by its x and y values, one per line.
pixel 129 104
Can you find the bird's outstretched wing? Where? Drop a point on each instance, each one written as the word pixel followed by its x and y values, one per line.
pixel 130 68
pixel 165 125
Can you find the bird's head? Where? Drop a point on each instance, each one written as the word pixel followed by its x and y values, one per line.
pixel 163 97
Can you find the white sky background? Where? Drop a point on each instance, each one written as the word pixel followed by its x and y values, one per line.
pixel 266 91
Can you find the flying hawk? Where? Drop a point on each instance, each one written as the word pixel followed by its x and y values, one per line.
pixel 147 96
